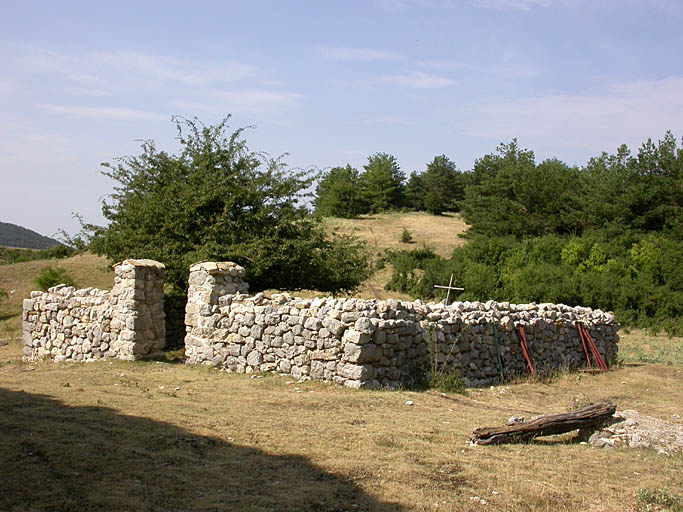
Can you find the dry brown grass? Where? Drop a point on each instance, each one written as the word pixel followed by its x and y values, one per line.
pixel 383 230
pixel 157 436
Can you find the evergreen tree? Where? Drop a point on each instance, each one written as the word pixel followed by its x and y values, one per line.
pixel 415 192
pixel 510 194
pixel 643 193
pixel 338 194
pixel 382 183
pixel 444 186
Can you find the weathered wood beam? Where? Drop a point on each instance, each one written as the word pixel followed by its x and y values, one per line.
pixel 552 424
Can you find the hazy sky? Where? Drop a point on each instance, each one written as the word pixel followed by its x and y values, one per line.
pixel 329 82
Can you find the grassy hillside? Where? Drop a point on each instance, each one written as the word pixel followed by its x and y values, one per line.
pixel 383 230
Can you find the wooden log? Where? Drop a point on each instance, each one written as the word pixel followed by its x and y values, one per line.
pixel 592 416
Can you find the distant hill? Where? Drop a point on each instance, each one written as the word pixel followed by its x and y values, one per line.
pixel 12 235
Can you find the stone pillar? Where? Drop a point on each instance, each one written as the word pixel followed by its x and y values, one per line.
pixel 208 282
pixel 138 322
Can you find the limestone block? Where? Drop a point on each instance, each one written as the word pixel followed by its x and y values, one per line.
pixel 355 371
pixel 353 336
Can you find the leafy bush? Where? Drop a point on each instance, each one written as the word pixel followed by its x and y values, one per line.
pixel 405 263
pixel 52 276
pixel 406 237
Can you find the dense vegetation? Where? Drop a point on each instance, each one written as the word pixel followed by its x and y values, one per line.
pixel 12 235
pixel 609 236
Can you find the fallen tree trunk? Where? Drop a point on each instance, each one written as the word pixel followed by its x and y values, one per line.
pixel 589 417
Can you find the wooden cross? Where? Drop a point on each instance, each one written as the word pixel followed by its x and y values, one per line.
pixel 449 288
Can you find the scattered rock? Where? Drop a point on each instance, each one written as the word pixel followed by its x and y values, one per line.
pixel 636 430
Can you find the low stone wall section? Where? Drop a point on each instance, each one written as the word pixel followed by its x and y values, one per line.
pixel 128 322
pixel 380 344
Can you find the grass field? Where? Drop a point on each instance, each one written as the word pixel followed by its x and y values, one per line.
pixel 159 436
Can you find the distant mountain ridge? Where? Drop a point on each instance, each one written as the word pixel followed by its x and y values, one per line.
pixel 12 235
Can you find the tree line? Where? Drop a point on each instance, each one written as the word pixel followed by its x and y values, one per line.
pixel 382 186
pixel 508 193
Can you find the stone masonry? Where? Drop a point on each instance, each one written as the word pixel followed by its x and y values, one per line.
pixel 379 344
pixel 127 322
pixel 354 342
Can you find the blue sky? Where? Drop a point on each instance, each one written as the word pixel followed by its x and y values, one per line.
pixel 329 82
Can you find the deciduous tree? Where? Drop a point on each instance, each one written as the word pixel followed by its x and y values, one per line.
pixel 218 200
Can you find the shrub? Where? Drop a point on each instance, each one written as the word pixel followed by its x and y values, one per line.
pixel 433 203
pixel 406 237
pixel 52 276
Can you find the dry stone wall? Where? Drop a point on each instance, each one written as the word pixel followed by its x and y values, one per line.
pixel 373 343
pixel 127 322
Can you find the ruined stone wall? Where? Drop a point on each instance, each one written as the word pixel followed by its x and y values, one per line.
pixel 372 343
pixel 127 322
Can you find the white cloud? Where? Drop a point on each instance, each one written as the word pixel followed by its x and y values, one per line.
pixel 521 5
pixel 85 91
pixel 115 68
pixel 518 69
pixel 400 121
pixel 245 101
pixel 623 113
pixel 418 80
pixel 161 68
pixel 42 148
pixel 181 83
pixel 347 53
pixel 109 113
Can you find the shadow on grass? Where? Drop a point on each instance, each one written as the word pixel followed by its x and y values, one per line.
pixel 61 457
pixel 8 316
